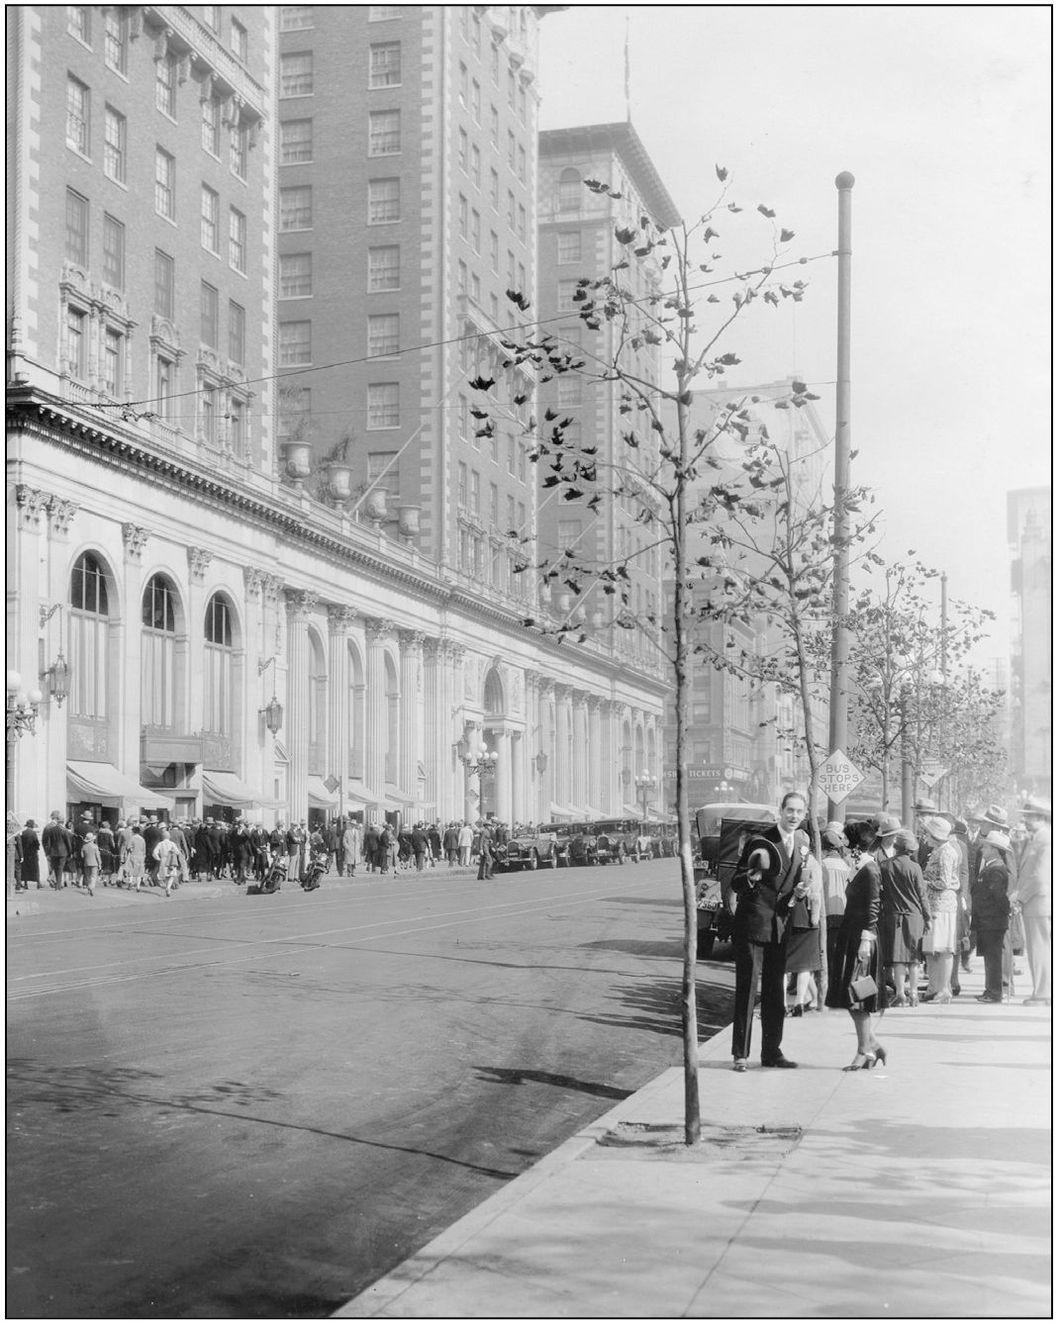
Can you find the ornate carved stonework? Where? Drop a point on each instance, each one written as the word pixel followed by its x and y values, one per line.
pixel 378 630
pixel 135 540
pixel 253 581
pixel 198 560
pixel 410 641
pixel 32 502
pixel 60 513
pixel 341 620
pixel 271 587
pixel 300 601
pixel 434 648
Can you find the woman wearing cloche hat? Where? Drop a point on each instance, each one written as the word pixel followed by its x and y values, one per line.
pixel 941 874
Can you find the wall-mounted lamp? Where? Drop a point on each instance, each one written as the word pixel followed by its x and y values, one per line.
pixel 266 662
pixel 22 709
pixel 461 748
pixel 541 760
pixel 274 715
pixel 56 678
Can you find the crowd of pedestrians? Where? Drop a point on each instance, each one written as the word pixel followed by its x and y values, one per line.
pixel 895 903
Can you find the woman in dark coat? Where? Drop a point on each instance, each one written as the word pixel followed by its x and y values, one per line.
pixel 991 911
pixel 31 855
pixel 857 951
pixel 105 843
pixel 904 913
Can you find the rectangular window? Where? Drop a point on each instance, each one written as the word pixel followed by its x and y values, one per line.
pixel 297 74
pixel 474 229
pixel 492 508
pixel 522 165
pixel 384 268
pixel 463 216
pixel 385 64
pixel 511 150
pixel 237 426
pixel 165 177
pixel 378 13
pixel 511 455
pixel 511 269
pixel 212 17
pixel 494 126
pixel 511 515
pixel 75 342
pixel 116 38
pixel 296 277
pixel 494 251
pixel 77 228
pixel 208 315
pixel 208 413
pixel 296 16
pixel 463 150
pixel 165 386
pixel 474 493
pixel 296 208
pixel 474 164
pixel 511 209
pixel 494 309
pixel 522 98
pixel 239 140
pixel 570 390
pixel 238 40
pixel 208 219
pixel 166 84
pixel 210 136
pixel 295 411
pixel 383 335
pixel 237 241
pixel 522 277
pixel 569 246
pixel 463 84
pixel 463 485
pixel 463 277
pixel 522 223
pixel 79 23
pixel 474 101
pixel 294 344
pixel 493 188
pixel 113 252
pixel 383 201
pixel 237 333
pixel 164 285
pixel 297 141
pixel 382 474
pixel 113 357
pixel 382 405
pixel 385 132
pixel 511 89
pixel 77 115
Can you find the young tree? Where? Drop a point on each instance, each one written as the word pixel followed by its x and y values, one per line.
pixel 654 298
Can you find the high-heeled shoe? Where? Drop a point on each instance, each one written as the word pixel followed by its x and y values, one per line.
pixel 861 1062
pixel 880 1054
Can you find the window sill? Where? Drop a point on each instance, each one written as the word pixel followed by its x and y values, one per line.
pixel 78 152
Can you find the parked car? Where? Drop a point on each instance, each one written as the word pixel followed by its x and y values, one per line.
pixel 531 850
pixel 615 840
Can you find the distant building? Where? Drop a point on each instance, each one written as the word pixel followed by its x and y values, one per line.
pixel 1030 538
pixel 577 239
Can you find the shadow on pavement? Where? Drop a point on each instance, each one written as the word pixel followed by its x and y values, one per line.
pixel 518 1076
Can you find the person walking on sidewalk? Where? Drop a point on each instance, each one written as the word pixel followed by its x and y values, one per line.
pixel 465 845
pixel 768 874
pixel 858 940
pixel 56 842
pixel 1033 895
pixel 991 911
pixel 90 862
pixel 942 877
pixel 904 916
pixel 168 859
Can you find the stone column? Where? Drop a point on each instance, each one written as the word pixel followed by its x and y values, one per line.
pixel 548 742
pixel 504 776
pixel 36 791
pixel 299 605
pixel 459 777
pixel 435 727
pixel 594 755
pixel 378 632
pixel 613 758
pixel 563 740
pixel 341 622
pixel 410 646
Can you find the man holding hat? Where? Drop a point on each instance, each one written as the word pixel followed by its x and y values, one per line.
pixel 1033 895
pixel 767 879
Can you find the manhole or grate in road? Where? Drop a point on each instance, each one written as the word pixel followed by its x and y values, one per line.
pixel 667 1141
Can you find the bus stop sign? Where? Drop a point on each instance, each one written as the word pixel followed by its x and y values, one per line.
pixel 838 776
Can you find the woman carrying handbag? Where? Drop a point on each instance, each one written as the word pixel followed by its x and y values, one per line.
pixel 854 984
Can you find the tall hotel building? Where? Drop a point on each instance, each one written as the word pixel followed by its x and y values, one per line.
pixel 258 560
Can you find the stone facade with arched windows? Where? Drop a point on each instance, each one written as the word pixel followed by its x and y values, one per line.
pixel 198 612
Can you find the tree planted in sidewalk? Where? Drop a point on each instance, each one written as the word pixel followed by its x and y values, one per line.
pixel 660 288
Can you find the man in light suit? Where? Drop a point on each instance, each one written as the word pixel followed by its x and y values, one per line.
pixel 1033 895
pixel 766 880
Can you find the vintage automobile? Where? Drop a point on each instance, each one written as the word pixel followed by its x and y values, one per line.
pixel 614 840
pixel 722 837
pixel 531 850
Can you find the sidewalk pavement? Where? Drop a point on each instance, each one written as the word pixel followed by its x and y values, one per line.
pixel 919 1189
pixel 47 899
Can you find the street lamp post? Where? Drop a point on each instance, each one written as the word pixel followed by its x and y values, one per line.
pixel 480 766
pixel 645 789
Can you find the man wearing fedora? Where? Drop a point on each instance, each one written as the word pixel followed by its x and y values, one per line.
pixel 1033 895
pixel 767 880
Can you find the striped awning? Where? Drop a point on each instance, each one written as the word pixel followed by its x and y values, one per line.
pixel 103 783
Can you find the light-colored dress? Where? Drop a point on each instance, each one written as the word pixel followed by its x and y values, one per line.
pixel 942 878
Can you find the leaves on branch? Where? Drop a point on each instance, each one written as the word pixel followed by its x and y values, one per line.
pixel 721 173
pixel 481 383
pixel 785 236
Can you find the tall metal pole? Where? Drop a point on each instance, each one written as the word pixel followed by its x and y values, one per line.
pixel 839 671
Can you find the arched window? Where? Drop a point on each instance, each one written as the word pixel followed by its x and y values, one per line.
pixel 88 638
pixel 569 189
pixel 158 654
pixel 317 712
pixel 355 714
pixel 217 681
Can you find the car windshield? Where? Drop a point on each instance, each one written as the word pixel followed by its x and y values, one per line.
pixel 709 817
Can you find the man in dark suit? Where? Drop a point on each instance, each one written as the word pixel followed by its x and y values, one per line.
pixel 768 874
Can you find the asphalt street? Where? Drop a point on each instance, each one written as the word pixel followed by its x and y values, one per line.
pixel 255 1106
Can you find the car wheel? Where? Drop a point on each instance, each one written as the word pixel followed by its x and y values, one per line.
pixel 533 860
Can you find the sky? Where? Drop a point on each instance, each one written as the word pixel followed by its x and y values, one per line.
pixel 943 115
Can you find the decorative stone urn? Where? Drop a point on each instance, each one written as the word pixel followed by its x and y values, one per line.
pixel 409 521
pixel 296 460
pixel 338 477
pixel 376 505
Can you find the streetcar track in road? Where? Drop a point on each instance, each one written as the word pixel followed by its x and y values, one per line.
pixel 280 946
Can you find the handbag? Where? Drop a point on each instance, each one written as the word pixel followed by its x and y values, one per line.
pixel 862 987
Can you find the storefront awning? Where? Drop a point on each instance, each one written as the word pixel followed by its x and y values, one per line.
pixel 103 782
pixel 364 795
pixel 588 812
pixel 631 812
pixel 566 812
pixel 319 795
pixel 223 788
